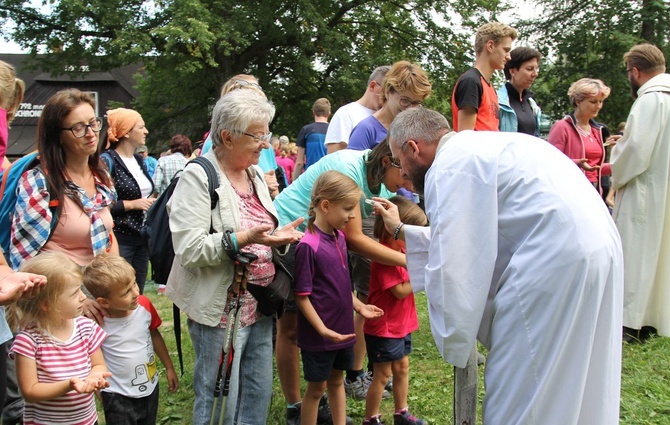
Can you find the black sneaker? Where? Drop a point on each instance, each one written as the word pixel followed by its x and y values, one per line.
pixel 293 414
pixel 325 415
pixel 407 418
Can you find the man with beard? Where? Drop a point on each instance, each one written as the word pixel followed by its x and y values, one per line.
pixel 521 253
pixel 641 175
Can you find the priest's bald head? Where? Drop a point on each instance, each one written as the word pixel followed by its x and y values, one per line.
pixel 413 137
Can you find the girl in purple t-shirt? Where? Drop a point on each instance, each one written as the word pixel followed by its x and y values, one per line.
pixel 324 297
pixel 389 339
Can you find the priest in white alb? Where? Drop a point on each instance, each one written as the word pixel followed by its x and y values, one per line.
pixel 522 254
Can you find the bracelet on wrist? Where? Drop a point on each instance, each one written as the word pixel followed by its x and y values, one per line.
pixel 233 237
pixel 396 232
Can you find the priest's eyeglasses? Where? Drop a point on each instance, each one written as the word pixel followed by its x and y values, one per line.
pixel 79 130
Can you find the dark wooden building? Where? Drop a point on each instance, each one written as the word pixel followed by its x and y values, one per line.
pixel 116 86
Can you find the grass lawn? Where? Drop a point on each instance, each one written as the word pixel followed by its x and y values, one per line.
pixel 645 393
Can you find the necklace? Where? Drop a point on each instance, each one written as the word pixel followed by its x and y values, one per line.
pixel 583 132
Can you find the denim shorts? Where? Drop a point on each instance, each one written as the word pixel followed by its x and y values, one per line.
pixel 382 350
pixel 317 366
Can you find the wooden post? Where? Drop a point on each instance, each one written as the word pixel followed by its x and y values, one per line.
pixel 465 392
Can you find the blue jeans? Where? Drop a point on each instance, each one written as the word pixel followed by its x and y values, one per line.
pixel 138 257
pixel 251 377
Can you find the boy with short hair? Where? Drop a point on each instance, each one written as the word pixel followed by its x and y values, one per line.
pixel 132 343
pixel 474 101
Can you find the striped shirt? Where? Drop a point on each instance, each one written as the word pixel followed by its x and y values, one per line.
pixel 59 361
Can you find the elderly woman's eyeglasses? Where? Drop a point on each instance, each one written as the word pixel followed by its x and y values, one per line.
pixel 79 130
pixel 406 103
pixel 263 138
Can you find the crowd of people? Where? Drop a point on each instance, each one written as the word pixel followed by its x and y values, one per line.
pixel 510 237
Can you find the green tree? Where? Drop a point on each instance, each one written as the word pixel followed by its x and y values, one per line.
pixel 588 39
pixel 300 50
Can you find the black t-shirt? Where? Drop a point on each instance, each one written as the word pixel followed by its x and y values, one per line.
pixel 524 113
pixel 473 90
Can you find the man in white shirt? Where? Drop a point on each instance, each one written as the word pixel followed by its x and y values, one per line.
pixel 522 254
pixel 346 118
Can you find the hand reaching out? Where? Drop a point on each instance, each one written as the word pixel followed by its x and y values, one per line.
pixel 16 285
pixel 282 236
pixel 584 164
pixel 336 337
pixel 95 311
pixel 388 212
pixel 370 311
pixel 94 381
pixel 611 141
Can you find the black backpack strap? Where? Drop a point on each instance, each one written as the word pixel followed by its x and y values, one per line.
pixel 212 185
pixel 212 178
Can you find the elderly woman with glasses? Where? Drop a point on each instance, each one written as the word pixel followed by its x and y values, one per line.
pixel 64 204
pixel 206 241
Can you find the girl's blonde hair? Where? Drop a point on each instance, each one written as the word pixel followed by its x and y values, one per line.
pixel 241 81
pixel 42 309
pixel 409 212
pixel 12 90
pixel 332 186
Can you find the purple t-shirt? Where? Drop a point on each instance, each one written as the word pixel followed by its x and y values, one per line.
pixel 367 134
pixel 322 272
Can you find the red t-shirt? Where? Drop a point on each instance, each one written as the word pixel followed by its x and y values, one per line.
pixel 399 319
pixel 593 151
pixel 473 90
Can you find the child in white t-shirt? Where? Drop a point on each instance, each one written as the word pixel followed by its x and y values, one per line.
pixel 132 343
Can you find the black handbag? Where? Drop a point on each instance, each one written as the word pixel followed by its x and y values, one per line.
pixel 272 298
